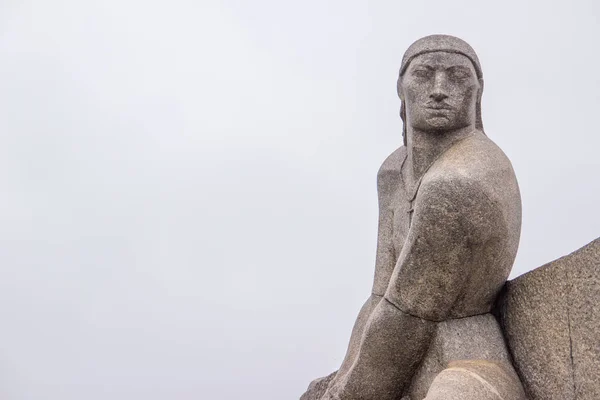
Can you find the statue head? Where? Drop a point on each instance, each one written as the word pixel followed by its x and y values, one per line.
pixel 440 85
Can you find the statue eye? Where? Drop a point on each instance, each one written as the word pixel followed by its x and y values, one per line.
pixel 459 74
pixel 421 73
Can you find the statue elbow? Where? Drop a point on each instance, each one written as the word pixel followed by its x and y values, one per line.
pixel 429 308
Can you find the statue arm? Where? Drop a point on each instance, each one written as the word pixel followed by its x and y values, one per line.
pixel 387 178
pixel 453 220
pixel 449 223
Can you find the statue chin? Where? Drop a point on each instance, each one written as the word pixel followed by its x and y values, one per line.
pixel 437 124
pixel 441 125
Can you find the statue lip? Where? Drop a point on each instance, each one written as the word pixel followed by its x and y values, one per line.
pixel 438 107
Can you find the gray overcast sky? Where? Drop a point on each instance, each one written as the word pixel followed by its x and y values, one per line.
pixel 189 207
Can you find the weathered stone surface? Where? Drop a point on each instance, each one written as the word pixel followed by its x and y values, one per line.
pixel 536 325
pixel 583 271
pixel 551 320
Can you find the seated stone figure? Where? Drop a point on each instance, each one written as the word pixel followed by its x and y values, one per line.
pixel 449 226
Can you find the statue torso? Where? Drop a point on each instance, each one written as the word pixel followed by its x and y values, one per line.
pixel 476 158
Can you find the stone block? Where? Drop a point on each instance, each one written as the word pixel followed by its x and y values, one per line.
pixel 551 321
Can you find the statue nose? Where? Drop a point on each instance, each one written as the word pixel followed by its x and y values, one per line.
pixel 438 95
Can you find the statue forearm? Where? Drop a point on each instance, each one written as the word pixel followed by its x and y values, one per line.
pixel 357 332
pixel 318 387
pixel 391 348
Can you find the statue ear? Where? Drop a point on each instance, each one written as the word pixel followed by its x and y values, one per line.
pixel 480 92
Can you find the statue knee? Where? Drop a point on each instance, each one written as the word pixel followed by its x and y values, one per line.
pixel 476 380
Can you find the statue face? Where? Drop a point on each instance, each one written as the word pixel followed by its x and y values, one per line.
pixel 440 91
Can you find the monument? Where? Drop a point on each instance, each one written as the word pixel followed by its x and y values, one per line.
pixel 434 326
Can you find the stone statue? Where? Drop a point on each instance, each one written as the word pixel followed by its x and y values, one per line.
pixel 449 226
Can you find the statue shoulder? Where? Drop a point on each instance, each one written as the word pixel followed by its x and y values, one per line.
pixel 453 188
pixel 479 161
pixel 392 163
pixel 475 171
pixel 394 160
pixel 388 176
